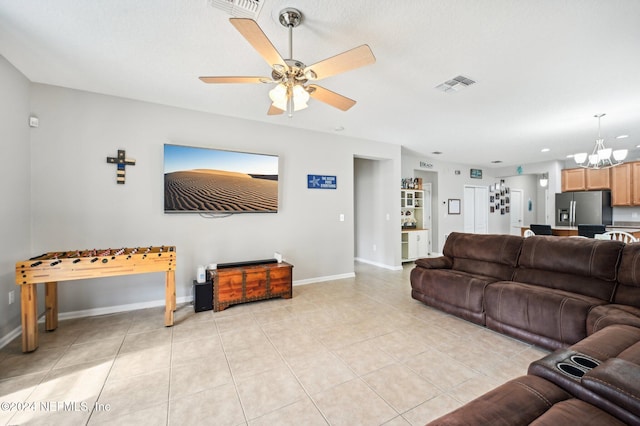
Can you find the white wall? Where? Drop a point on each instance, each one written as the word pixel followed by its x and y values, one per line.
pixel 77 204
pixel 376 240
pixel 15 211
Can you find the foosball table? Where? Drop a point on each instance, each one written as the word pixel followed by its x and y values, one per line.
pixel 49 268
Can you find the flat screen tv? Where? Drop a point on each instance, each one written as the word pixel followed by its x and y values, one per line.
pixel 205 180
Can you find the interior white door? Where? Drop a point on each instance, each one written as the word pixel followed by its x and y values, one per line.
pixel 516 213
pixel 476 209
pixel 481 213
pixel 468 209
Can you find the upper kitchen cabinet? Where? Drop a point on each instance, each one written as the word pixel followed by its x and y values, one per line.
pixel 624 191
pixel 598 179
pixel 573 180
pixel 585 179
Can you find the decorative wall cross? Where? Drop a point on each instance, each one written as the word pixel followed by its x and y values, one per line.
pixel 121 162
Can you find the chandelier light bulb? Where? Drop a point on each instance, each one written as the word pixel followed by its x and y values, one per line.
pixel 580 157
pixel 620 154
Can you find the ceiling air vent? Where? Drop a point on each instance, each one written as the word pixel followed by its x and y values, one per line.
pixel 238 8
pixel 455 84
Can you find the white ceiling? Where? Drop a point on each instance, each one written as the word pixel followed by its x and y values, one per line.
pixel 543 68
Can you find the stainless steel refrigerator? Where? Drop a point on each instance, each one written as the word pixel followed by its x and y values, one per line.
pixel 588 207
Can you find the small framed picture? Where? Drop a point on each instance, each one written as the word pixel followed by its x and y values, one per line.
pixel 502 202
pixel 454 206
pixel 492 209
pixel 475 173
pixel 492 199
pixel 506 200
pixel 501 211
pixel 506 209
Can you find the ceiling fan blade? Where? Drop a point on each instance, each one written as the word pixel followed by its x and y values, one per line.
pixel 345 61
pixel 256 37
pixel 274 110
pixel 328 97
pixel 216 80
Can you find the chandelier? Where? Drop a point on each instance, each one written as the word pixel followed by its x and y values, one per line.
pixel 601 157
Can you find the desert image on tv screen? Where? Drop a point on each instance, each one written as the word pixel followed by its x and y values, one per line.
pixel 217 181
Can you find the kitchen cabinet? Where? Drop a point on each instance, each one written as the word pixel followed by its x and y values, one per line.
pixel 597 179
pixel 624 189
pixel 573 180
pixel 585 179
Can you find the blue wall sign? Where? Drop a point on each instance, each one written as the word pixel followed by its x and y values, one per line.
pixel 321 182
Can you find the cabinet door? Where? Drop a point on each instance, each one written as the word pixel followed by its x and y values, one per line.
pixel 412 245
pixel 621 182
pixel 573 180
pixel 635 185
pixel 422 240
pixel 598 179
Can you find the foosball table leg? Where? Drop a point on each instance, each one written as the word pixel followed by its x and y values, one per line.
pixel 170 298
pixel 29 308
pixel 51 305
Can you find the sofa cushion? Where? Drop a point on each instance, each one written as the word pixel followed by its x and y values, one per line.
pixel 486 255
pixel 456 292
pixel 517 402
pixel 576 412
pixel 609 342
pixel 606 315
pixel 525 311
pixel 578 265
pixel 628 291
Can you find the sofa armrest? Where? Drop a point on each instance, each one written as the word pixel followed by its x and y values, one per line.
pixel 617 381
pixel 442 262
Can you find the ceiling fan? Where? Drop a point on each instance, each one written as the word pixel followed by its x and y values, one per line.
pixel 292 76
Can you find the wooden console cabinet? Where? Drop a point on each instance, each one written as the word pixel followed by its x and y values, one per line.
pixel 250 283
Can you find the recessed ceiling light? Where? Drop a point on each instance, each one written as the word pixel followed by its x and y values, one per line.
pixel 496 161
pixel 436 152
pixel 338 129
pixel 570 156
pixel 622 137
pixel 545 150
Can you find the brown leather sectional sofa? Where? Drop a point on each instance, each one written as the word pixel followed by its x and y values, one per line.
pixel 578 296
pixel 549 291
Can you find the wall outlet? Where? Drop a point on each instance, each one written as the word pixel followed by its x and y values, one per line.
pixel 12 297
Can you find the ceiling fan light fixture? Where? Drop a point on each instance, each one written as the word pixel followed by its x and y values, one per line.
pixel 281 97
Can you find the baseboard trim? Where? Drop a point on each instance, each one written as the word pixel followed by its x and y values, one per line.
pixel 379 265
pixel 10 336
pixel 325 278
pixel 118 308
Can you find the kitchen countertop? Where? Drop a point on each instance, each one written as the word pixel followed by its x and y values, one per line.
pixel 573 230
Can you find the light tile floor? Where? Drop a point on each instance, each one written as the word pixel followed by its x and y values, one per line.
pixel 355 351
